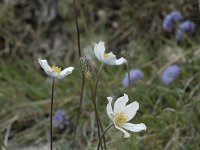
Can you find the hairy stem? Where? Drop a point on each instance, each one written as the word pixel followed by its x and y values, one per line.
pixel 79 110
pixel 95 108
pixel 103 135
pixel 129 77
pixel 77 28
pixel 51 115
pixel 97 81
pixel 129 87
pixel 83 77
pixel 95 95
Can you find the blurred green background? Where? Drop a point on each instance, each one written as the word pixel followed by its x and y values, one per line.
pixel 46 29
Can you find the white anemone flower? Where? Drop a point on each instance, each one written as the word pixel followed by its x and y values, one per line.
pixel 107 58
pixel 54 71
pixel 122 114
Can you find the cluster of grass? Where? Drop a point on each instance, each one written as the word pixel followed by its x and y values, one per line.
pixel 31 30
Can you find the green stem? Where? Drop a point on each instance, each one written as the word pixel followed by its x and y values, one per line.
pixel 97 81
pixel 103 135
pixel 95 95
pixel 95 108
pixel 129 88
pixel 51 115
pixel 129 77
pixel 79 111
pixel 77 28
pixel 83 77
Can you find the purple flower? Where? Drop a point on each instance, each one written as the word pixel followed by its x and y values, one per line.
pixel 179 35
pixel 187 26
pixel 176 15
pixel 171 19
pixel 168 23
pixel 170 74
pixel 60 119
pixel 135 75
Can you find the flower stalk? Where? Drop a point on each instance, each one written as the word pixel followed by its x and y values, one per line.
pixel 95 109
pixel 95 95
pixel 129 88
pixel 103 134
pixel 51 114
pixel 83 76
pixel 97 81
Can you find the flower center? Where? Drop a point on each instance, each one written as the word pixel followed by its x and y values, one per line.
pixel 105 55
pixel 120 119
pixel 56 69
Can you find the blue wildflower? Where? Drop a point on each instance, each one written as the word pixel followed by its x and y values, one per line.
pixel 171 19
pixel 168 23
pixel 60 120
pixel 135 75
pixel 170 74
pixel 187 26
pixel 179 35
pixel 176 15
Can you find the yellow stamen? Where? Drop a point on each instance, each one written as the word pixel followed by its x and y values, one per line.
pixel 120 119
pixel 105 54
pixel 56 69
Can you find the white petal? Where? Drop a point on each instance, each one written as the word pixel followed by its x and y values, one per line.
pixel 120 104
pixel 111 59
pixel 109 108
pixel 44 64
pixel 99 50
pixel 126 134
pixel 65 72
pixel 131 109
pixel 121 61
pixel 134 127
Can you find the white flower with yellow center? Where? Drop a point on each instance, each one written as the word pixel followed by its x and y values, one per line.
pixel 122 114
pixel 107 58
pixel 55 71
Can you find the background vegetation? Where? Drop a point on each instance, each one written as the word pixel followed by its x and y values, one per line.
pixel 46 29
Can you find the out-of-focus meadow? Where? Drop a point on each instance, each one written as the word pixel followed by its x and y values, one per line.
pixel 46 29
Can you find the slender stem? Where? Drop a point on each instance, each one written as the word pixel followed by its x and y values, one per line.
pixel 79 111
pixel 95 95
pixel 83 77
pixel 97 81
pixel 129 87
pixel 77 27
pixel 95 109
pixel 103 135
pixel 129 77
pixel 51 115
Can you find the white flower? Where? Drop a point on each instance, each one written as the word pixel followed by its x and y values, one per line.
pixel 122 114
pixel 107 58
pixel 55 71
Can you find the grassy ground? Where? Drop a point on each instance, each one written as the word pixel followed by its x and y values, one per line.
pixel 31 30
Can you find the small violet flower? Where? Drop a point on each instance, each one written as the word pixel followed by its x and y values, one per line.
pixel 135 75
pixel 107 58
pixel 171 19
pixel 55 71
pixel 176 15
pixel 123 113
pixel 187 26
pixel 179 35
pixel 170 74
pixel 60 119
